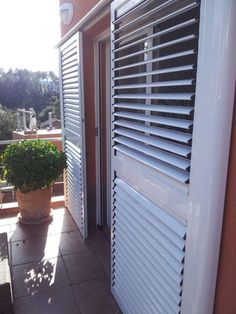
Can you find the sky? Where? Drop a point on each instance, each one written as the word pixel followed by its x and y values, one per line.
pixel 29 32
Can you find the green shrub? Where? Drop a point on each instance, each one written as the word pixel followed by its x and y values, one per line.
pixel 32 165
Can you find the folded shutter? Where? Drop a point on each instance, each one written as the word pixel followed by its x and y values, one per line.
pixel 71 76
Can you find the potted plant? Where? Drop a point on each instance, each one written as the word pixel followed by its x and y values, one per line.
pixel 32 167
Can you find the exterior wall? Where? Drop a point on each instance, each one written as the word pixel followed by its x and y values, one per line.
pixel 225 301
pixel 88 51
pixel 81 8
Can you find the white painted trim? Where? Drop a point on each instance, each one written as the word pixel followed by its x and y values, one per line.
pixel 91 17
pixel 83 143
pixel 97 136
pixel 62 115
pixel 101 37
pixel 108 129
pixel 211 142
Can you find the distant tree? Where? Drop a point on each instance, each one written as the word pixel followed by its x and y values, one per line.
pixel 25 89
pixel 7 124
pixel 54 107
pixel 55 103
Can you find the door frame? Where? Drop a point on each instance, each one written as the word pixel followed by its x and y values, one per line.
pixel 97 40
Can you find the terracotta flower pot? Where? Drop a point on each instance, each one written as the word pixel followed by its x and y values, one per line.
pixel 34 207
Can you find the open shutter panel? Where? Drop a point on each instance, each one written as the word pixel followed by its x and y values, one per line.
pixel 154 74
pixel 154 65
pixel 74 144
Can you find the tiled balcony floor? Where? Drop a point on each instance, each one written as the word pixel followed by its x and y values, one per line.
pixel 54 271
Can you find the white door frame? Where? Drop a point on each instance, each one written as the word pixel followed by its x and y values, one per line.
pixel 101 37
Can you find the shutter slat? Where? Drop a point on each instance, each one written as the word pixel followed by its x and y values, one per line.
pixel 72 111
pixel 157 21
pixel 160 242
pixel 160 46
pixel 168 220
pixel 70 82
pixel 176 161
pixel 72 117
pixel 158 34
pixel 161 71
pixel 178 123
pixel 165 133
pixel 176 174
pixel 73 103
pixel 70 91
pixel 172 266
pixel 153 300
pixel 159 59
pixel 184 151
pixel 170 278
pixel 147 14
pixel 155 219
pixel 71 58
pixel 69 76
pixel 70 64
pixel 67 50
pixel 68 96
pixel 70 86
pixel 186 110
pixel 168 293
pixel 172 96
pixel 156 84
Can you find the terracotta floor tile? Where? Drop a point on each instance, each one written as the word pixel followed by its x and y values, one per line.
pixel 72 242
pixel 60 211
pixel 36 249
pixel 83 267
pixel 53 269
pixel 23 232
pixel 33 278
pixel 60 223
pixel 101 245
pixel 61 301
pixel 94 297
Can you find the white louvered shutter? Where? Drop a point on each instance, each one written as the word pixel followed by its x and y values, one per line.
pixel 73 129
pixel 154 66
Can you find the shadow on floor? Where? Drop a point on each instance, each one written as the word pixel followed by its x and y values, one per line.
pixel 55 271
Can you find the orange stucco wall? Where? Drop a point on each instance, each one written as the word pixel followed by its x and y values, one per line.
pixel 81 8
pixel 225 300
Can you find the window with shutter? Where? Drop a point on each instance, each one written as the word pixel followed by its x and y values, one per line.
pixel 155 62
